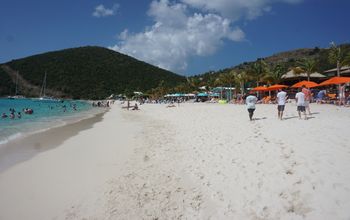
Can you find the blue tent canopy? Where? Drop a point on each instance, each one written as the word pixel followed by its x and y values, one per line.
pixel 215 95
pixel 202 94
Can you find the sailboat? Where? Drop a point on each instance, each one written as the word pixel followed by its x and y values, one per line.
pixel 16 96
pixel 43 91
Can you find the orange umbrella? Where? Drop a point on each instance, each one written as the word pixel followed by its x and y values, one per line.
pixel 276 87
pixel 260 88
pixel 335 80
pixel 308 84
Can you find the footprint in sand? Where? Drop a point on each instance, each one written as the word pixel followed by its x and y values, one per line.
pixel 289 172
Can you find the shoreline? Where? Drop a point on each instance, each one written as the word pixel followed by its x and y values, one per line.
pixel 77 170
pixel 28 145
pixel 32 124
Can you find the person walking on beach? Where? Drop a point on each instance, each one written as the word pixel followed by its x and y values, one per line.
pixel 250 102
pixel 281 102
pixel 342 94
pixel 300 100
pixel 308 95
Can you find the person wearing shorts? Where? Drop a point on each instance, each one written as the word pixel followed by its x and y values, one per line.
pixel 281 102
pixel 300 100
pixel 250 102
pixel 308 96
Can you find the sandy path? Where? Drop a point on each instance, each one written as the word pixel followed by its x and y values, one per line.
pixel 196 161
pixel 209 162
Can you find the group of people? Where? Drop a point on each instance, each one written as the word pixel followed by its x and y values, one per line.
pixel 102 104
pixel 132 107
pixel 13 114
pixel 302 98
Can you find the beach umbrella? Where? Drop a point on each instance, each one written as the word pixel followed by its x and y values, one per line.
pixel 276 87
pixel 259 88
pixel 335 80
pixel 308 84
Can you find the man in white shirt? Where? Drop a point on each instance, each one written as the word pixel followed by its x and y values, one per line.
pixel 300 100
pixel 281 102
pixel 250 102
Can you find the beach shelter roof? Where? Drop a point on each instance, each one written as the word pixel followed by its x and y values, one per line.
pixel 308 84
pixel 343 68
pixel 345 71
pixel 260 88
pixel 335 80
pixel 292 74
pixel 276 87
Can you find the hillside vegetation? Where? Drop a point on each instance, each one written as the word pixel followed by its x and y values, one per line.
pixel 6 84
pixel 96 73
pixel 264 70
pixel 85 73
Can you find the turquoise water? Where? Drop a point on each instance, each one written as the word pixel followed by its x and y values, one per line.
pixel 47 113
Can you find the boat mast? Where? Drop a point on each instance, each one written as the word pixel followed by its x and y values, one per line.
pixel 43 87
pixel 16 83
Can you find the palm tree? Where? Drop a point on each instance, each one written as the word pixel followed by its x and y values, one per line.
pixel 258 70
pixel 338 56
pixel 240 79
pixel 229 80
pixel 307 66
pixel 225 79
pixel 274 76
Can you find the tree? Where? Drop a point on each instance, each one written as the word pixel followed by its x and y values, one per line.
pixel 194 83
pixel 307 66
pixel 274 76
pixel 258 70
pixel 338 56
pixel 226 79
pixel 240 79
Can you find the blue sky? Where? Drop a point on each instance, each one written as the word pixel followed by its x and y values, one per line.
pixel 185 36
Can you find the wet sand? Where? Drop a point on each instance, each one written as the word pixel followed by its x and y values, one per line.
pixel 25 148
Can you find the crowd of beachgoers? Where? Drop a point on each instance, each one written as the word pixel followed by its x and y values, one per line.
pixel 13 113
pixel 319 96
pixel 17 114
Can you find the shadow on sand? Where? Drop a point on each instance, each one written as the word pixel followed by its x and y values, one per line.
pixel 291 117
pixel 257 119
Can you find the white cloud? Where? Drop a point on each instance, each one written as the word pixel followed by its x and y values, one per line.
pixel 236 9
pixel 101 11
pixel 179 34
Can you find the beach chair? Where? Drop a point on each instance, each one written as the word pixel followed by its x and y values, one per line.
pixel 331 98
pixel 267 100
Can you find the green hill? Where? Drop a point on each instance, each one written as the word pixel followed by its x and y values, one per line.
pixel 6 84
pixel 285 60
pixel 83 73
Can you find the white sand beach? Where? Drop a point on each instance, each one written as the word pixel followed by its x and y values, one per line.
pixel 195 161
